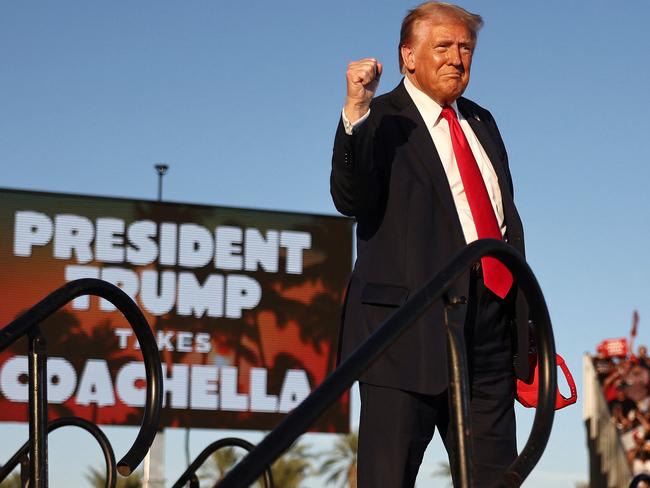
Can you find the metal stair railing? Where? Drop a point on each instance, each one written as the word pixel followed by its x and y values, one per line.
pixel 602 436
pixel 21 457
pixel 439 287
pixel 28 324
pixel 189 476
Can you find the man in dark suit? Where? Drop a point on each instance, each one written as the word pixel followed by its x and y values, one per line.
pixel 424 172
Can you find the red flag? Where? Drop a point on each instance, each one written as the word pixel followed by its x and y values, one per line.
pixel 635 323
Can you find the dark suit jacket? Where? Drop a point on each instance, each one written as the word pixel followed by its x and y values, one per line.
pixel 388 175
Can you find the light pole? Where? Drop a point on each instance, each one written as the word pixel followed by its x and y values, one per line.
pixel 154 467
pixel 161 169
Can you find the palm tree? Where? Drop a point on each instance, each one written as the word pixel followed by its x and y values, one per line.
pixel 443 471
pixel 340 464
pixel 97 479
pixel 293 467
pixel 220 462
pixel 288 472
pixel 12 481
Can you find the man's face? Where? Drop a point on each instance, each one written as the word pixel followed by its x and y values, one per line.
pixel 439 58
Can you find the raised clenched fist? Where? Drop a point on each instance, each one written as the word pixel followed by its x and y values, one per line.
pixel 362 78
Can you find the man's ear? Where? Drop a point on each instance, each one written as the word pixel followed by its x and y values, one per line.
pixel 408 57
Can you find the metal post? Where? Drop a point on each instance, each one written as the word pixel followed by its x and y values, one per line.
pixel 154 467
pixel 154 463
pixel 459 392
pixel 24 470
pixel 37 409
pixel 161 169
pixel 145 469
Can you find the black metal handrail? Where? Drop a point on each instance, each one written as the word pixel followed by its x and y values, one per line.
pixel 190 473
pixel 96 432
pixel 638 479
pixel 28 324
pixel 439 287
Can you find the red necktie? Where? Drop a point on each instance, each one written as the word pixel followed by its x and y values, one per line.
pixel 496 276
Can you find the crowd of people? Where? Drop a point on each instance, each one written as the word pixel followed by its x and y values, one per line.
pixel 626 385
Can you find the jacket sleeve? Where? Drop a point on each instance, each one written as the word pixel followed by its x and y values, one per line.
pixel 355 180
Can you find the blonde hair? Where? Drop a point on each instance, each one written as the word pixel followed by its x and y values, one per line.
pixel 431 10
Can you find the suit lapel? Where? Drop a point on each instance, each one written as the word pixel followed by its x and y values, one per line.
pixel 487 141
pixel 420 142
pixel 480 128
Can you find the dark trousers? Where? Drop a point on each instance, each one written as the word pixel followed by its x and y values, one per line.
pixel 396 426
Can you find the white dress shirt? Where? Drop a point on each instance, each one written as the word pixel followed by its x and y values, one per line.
pixel 439 130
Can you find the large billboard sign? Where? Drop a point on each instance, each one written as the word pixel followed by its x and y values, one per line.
pixel 244 305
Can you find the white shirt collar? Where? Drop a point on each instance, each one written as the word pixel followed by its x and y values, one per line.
pixel 428 107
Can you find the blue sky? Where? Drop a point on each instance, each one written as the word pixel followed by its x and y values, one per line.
pixel 242 99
